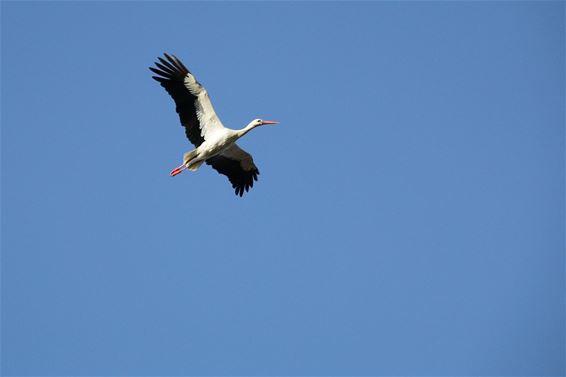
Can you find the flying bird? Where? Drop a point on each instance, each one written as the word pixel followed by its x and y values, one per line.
pixel 214 143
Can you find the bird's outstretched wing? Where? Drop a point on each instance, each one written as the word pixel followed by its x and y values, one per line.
pixel 193 104
pixel 238 165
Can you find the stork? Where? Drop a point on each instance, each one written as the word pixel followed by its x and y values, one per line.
pixel 214 143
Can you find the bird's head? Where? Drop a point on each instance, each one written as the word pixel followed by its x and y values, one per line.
pixel 261 122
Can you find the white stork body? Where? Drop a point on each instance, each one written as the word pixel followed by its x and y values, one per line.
pixel 215 144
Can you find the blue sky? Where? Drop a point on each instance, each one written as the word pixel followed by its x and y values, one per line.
pixel 408 220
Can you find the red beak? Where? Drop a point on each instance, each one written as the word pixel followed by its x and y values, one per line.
pixel 269 122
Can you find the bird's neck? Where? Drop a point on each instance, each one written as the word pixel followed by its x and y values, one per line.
pixel 246 129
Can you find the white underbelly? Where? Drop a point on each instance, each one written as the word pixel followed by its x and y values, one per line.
pixel 208 150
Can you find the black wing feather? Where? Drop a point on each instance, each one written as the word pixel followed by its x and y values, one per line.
pixel 164 68
pixel 180 63
pixel 171 76
pixel 241 179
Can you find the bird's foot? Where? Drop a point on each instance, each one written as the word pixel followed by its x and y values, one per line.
pixel 177 170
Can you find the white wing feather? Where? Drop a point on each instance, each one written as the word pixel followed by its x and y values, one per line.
pixel 209 121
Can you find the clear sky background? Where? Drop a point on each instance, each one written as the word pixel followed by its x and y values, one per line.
pixel 409 216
